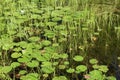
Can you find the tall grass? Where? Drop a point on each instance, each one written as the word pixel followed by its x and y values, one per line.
pixel 90 28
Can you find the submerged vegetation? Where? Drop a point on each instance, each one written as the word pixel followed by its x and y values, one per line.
pixel 59 39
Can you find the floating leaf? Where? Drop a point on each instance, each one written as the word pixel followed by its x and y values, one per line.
pixel 51 23
pixel 47 56
pixel 50 34
pixel 55 56
pixel 111 78
pixel 103 68
pixel 63 55
pixel 48 69
pixel 95 73
pixel 81 68
pixel 56 13
pixel 60 78
pixel 66 63
pixel 70 70
pixel 55 63
pixel 15 64
pixel 24 59
pixel 78 58
pixel 55 44
pixel 66 8
pixel 46 42
pixel 62 66
pixel 62 39
pixel 45 64
pixel 95 66
pixel 34 39
pixel 5 69
pixel 64 33
pixel 16 55
pixel 67 18
pixel 23 44
pixel 60 27
pixel 22 72
pixel 55 19
pixel 7 46
pixel 93 61
pixel 45 75
pixel 30 76
pixel 17 49
pixel 33 63
pixel 40 58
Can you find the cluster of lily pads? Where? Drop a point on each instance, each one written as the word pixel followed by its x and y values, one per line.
pixel 43 40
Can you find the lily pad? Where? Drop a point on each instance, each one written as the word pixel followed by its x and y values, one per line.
pixel 22 72
pixel 103 68
pixel 93 61
pixel 60 78
pixel 30 76
pixel 70 70
pixel 78 58
pixel 62 66
pixel 16 55
pixel 23 60
pixel 5 69
pixel 32 64
pixel 15 64
pixel 34 39
pixel 46 42
pixel 63 55
pixel 48 69
pixel 95 73
pixel 81 68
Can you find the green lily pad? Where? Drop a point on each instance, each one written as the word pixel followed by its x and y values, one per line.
pixel 30 76
pixel 62 66
pixel 66 63
pixel 45 64
pixel 95 73
pixel 55 19
pixel 32 64
pixel 81 68
pixel 23 44
pixel 111 78
pixel 95 66
pixel 17 49
pixel 7 46
pixel 22 72
pixel 15 64
pixel 50 34
pixel 55 63
pixel 64 33
pixel 93 61
pixel 70 70
pixel 60 78
pixel 23 60
pixel 103 68
pixel 33 75
pixel 34 39
pixel 16 55
pixel 63 55
pixel 78 58
pixel 67 18
pixel 48 69
pixel 41 58
pixel 5 69
pixel 55 56
pixel 46 42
